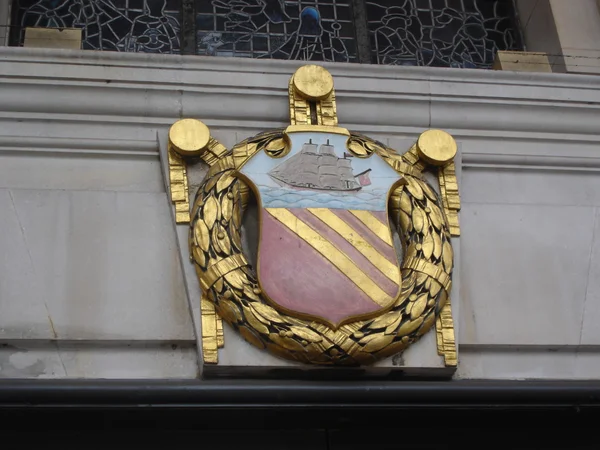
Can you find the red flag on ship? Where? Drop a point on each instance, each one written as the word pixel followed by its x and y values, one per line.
pixel 363 178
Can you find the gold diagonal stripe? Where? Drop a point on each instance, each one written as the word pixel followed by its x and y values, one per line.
pixel 373 223
pixel 332 254
pixel 353 237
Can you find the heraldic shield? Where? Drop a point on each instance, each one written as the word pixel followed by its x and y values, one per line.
pixel 326 250
pixel 328 286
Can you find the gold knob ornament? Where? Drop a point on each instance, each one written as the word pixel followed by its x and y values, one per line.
pixel 436 147
pixel 189 137
pixel 313 82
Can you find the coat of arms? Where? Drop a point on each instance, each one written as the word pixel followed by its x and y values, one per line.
pixel 354 255
pixel 325 248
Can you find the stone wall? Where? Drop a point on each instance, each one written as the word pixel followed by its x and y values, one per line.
pixel 90 277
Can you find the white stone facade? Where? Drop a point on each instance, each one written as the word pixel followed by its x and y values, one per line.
pixel 90 276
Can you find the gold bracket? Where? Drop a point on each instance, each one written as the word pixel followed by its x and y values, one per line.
pixel 439 148
pixel 212 331
pixel 188 138
pixel 445 336
pixel 191 138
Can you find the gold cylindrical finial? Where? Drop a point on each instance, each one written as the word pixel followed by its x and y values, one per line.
pixel 313 82
pixel 436 147
pixel 312 98
pixel 189 137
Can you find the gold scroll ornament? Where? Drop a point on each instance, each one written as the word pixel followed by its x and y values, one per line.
pixel 427 224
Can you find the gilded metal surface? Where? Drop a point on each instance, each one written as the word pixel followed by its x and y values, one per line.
pixel 210 342
pixel 446 341
pixel 214 152
pixel 312 98
pixel 439 148
pixel 450 196
pixel 313 82
pixel 425 223
pixel 436 147
pixel 317 128
pixel 179 187
pixel 189 137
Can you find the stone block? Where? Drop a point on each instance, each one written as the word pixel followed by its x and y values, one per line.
pixel 53 37
pixel 90 265
pixel 45 359
pixel 522 61
pixel 524 271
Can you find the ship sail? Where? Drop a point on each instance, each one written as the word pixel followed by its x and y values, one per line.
pixel 317 167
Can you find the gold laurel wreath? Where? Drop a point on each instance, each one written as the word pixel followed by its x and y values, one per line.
pixel 229 281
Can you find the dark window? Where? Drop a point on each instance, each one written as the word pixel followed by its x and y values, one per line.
pixel 320 30
pixel 151 26
pixel 443 33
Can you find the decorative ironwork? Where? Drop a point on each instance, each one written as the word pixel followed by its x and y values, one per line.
pixel 319 30
pixel 149 26
pixel 443 33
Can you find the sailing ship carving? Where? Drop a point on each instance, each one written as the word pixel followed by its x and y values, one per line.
pixel 318 167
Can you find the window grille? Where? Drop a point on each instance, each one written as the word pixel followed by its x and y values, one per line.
pixel 442 33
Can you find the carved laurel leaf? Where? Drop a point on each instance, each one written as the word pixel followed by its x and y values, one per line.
pixel 414 189
pixel 201 235
pixel 392 326
pixel 435 288
pixel 428 192
pixel 287 342
pixel 224 182
pixel 437 245
pixel 210 184
pixel 256 324
pixel 447 256
pixel 410 326
pixel 427 323
pixel 418 220
pixel 199 257
pixel 385 320
pixel 237 218
pixel 228 311
pixel 419 306
pixel 435 215
pixel 372 146
pixel 379 341
pixel 211 210
pixel 421 278
pixel 409 281
pixel 405 221
pixel 267 312
pixel 235 280
pixel 427 246
pixel 276 144
pixel 306 334
pixel 226 208
pixel 251 337
pixel 222 240
pixel 357 149
pixel 405 203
